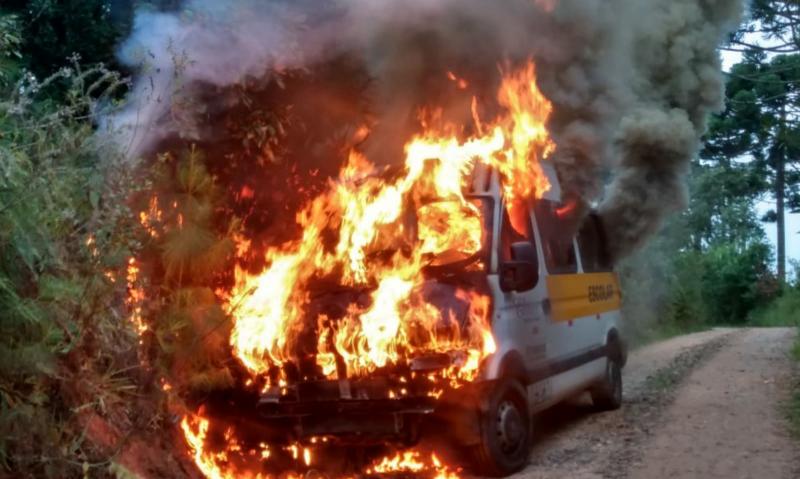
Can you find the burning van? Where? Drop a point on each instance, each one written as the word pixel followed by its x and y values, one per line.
pixel 526 319
pixel 447 297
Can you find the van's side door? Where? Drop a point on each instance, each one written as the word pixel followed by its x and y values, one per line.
pixel 575 337
pixel 520 322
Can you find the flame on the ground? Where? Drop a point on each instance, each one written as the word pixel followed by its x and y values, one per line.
pixel 136 296
pixel 220 463
pixel 416 463
pixel 232 460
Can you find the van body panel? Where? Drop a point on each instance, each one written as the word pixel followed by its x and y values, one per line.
pixel 558 329
pixel 573 296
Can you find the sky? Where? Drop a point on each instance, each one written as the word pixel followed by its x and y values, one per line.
pixel 792 220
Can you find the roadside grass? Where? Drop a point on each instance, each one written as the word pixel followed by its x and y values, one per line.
pixel 793 409
pixel 641 337
pixel 784 311
pixel 796 348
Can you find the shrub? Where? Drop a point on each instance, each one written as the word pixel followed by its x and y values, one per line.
pixel 669 290
pixel 735 282
pixel 55 31
pixel 67 349
pixel 10 44
pixel 784 311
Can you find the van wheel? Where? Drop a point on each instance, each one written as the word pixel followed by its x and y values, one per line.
pixel 607 395
pixel 505 430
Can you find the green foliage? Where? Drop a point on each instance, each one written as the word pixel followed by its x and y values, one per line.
pixel 55 31
pixel 65 234
pixel 793 406
pixel 796 349
pixel 776 20
pixel 757 136
pixel 736 282
pixel 784 311
pixel 721 208
pixel 711 264
pixel 190 250
pixel 10 44
pixel 708 266
pixel 793 412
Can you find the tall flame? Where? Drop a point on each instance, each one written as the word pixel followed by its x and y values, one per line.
pixel 387 232
pixel 377 236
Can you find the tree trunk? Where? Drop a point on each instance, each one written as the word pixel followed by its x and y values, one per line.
pixel 780 189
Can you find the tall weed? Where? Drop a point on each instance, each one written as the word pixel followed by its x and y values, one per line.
pixel 67 349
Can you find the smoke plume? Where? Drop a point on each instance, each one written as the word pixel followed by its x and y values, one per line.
pixel 631 81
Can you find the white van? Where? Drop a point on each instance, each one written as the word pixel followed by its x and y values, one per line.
pixel 554 317
pixel 555 321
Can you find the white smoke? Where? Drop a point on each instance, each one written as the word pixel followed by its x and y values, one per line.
pixel 632 81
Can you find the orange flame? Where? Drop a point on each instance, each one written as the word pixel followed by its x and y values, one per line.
pixel 422 214
pixel 136 297
pixel 151 218
pixel 226 462
pixel 379 236
pixel 415 463
pixel 460 82
pixel 221 463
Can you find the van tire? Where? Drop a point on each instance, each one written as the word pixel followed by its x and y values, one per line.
pixel 607 395
pixel 505 426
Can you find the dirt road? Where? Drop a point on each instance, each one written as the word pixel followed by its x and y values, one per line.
pixel 705 405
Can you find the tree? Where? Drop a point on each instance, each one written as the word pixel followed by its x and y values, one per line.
pixel 10 43
pixel 776 21
pixel 770 42
pixel 65 235
pixel 55 31
pixel 758 135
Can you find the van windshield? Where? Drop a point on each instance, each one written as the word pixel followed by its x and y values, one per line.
pixel 467 243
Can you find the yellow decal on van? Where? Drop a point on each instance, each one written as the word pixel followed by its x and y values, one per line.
pixel 573 296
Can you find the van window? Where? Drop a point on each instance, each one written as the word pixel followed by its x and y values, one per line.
pixel 592 245
pixel 516 228
pixel 557 243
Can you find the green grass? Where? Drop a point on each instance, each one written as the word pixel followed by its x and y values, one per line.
pixel 793 409
pixel 640 337
pixel 784 311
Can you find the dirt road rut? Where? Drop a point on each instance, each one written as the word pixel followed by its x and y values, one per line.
pixel 705 405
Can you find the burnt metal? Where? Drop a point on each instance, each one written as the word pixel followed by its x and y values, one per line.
pixel 365 396
pixel 355 407
pixel 431 362
pixel 359 411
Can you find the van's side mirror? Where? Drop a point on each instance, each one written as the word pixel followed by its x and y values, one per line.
pixel 521 273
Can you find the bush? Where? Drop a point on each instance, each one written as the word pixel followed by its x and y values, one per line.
pixel 669 290
pixel 736 282
pixel 55 31
pixel 10 44
pixel 793 405
pixel 662 293
pixel 784 311
pixel 66 345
